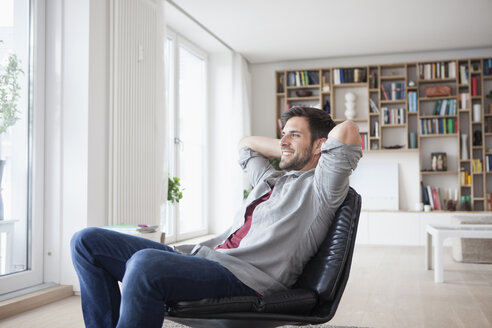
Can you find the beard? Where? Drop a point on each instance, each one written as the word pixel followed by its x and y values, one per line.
pixel 298 161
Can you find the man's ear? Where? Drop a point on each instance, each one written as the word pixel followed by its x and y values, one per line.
pixel 318 143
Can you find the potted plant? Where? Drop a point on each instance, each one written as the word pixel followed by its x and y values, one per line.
pixel 9 95
pixel 174 191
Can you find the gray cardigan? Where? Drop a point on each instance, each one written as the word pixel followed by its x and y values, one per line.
pixel 288 228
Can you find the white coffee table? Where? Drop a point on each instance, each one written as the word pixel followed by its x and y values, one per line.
pixel 440 232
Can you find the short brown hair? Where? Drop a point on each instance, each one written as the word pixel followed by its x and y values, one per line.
pixel 320 122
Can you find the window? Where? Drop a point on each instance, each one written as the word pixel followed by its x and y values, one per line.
pixel 17 103
pixel 186 90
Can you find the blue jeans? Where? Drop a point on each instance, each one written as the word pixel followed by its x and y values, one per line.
pixel 152 275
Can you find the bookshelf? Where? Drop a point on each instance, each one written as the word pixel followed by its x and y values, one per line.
pixel 397 112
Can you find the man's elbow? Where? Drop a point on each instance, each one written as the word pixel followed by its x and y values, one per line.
pixel 243 143
pixel 347 132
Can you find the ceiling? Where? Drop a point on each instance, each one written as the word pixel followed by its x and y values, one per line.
pixel 279 30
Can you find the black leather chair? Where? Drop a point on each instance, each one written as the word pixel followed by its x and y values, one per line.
pixel 312 300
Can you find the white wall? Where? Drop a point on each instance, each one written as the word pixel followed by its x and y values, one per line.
pixel 77 127
pixel 76 136
pixel 264 120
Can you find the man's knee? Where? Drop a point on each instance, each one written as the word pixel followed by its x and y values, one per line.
pixel 85 237
pixel 147 264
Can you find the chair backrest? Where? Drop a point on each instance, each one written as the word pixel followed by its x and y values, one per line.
pixel 327 272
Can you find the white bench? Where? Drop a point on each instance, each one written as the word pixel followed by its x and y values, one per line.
pixel 440 232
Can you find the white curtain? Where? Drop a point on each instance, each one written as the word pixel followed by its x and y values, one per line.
pixel 241 104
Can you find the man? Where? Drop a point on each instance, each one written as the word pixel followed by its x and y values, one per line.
pixel 281 226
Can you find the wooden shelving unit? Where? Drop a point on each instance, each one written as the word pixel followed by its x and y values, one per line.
pixel 401 115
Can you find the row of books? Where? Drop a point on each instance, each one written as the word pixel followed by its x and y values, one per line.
pixel 465 178
pixel 302 78
pixel 412 101
pixel 476 166
pixel 349 75
pixel 393 91
pixel 464 74
pixel 438 125
pixel 487 66
pixel 365 141
pixel 445 107
pixel 393 115
pixel 441 70
pixel 432 196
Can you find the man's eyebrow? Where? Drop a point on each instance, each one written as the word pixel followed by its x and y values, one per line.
pixel 292 131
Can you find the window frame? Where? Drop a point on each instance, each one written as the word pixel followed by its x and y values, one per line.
pixel 174 162
pixel 33 275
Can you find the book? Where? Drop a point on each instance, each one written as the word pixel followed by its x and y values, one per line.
pixel 374 108
pixel 384 92
pixel 474 86
pixel 431 197
pixel 425 196
pixel 312 78
pixel 463 74
pixel 452 69
pixel 435 199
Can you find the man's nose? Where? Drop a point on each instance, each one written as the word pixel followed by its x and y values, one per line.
pixel 284 140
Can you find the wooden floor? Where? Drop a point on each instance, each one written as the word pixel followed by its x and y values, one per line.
pixel 388 287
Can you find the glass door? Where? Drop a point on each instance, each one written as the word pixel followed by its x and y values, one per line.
pixel 20 209
pixel 186 89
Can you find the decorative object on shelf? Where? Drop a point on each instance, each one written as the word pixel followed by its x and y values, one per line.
pixel 413 140
pixel 326 88
pixel 411 83
pixel 477 112
pixel 304 93
pixel 439 162
pixel 464 146
pixel 372 81
pixel 477 138
pixel 489 95
pixel 443 90
pixel 466 203
pixel 350 105
pixel 281 83
pixel 327 107
pixel 393 147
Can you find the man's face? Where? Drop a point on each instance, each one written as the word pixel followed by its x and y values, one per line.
pixel 295 145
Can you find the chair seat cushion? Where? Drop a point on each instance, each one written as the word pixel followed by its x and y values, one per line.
pixel 293 301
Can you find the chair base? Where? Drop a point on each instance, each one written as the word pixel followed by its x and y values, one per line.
pixel 226 323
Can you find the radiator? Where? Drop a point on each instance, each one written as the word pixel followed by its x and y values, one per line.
pixel 136 131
